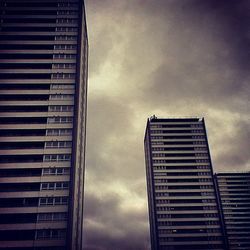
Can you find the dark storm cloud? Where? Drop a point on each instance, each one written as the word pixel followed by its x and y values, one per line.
pixel 105 227
pixel 205 45
pixel 163 57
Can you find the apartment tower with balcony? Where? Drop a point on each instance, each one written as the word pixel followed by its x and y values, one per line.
pixel 43 90
pixel 183 209
pixel 234 195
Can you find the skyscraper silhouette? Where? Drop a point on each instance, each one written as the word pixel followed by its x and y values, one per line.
pixel 43 101
pixel 183 208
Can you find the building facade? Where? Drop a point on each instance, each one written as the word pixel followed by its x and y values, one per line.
pixel 183 208
pixel 43 101
pixel 234 195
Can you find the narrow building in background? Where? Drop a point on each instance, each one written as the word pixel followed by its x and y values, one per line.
pixel 43 101
pixel 234 195
pixel 183 209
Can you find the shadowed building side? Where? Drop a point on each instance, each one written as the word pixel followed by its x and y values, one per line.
pixel 234 194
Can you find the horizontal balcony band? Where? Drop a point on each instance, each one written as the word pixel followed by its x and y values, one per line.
pixel 34 194
pixel 182 170
pixel 183 204
pixel 47 114
pixel 175 198
pixel 40 7
pixel 181 164
pixel 175 134
pixel 53 17
pixel 176 150
pixel 24 126
pixel 35 126
pixel 17 244
pixel 35 138
pixel 204 219
pixel 33 114
pixel 39 33
pixel 30 243
pixel 44 61
pixel 54 42
pixel 50 209
pixel 179 137
pixel 38 81
pixel 191 227
pixel 33 226
pixel 36 92
pixel 166 177
pixel 34 165
pixel 188 243
pixel 33 103
pixel 179 126
pixel 34 71
pixel 184 190
pixel 35 179
pixel 167 146
pixel 171 212
pixel 41 25
pixel 19 115
pixel 35 151
pixel 176 236
pixel 25 91
pixel 184 184
pixel 181 157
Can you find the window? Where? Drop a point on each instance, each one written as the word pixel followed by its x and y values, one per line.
pixel 65 38
pixel 63 75
pixel 61 96
pixel 56 171
pixel 66 46
pixel 51 217
pixel 50 234
pixel 59 119
pixel 51 201
pixel 58 144
pixel 66 12
pixel 63 157
pixel 44 217
pixel 62 86
pixel 46 201
pixel 67 5
pixel 58 132
pixel 66 20
pixel 63 56
pixel 54 186
pixel 61 108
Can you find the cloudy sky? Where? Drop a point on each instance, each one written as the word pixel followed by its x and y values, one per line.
pixel 170 58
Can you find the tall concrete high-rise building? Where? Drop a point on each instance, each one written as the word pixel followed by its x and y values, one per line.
pixel 234 195
pixel 183 209
pixel 43 90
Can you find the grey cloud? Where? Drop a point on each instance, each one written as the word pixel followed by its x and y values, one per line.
pixel 175 58
pixel 235 149
pixel 115 147
pixel 106 227
pixel 199 58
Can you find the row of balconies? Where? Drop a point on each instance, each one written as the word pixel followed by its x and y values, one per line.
pixel 54 42
pixel 35 71
pixel 30 244
pixel 32 194
pixel 32 226
pixel 36 91
pixel 29 165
